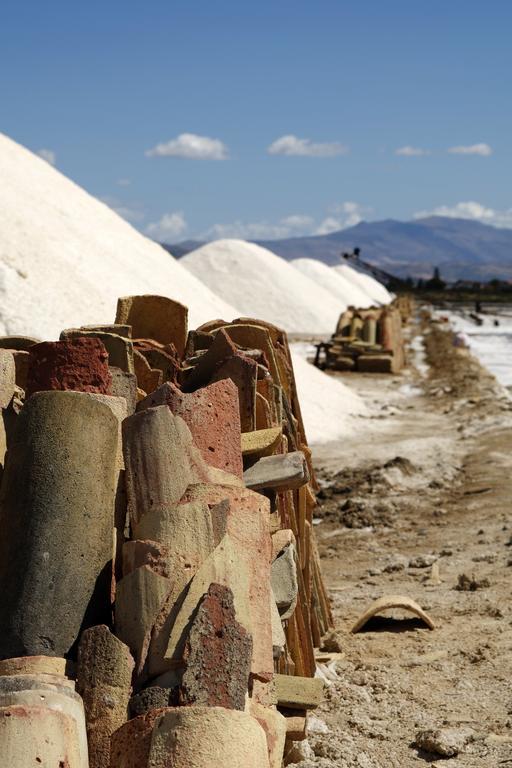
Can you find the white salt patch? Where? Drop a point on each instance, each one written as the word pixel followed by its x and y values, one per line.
pixel 263 285
pixel 65 257
pixel 329 408
pixel 347 293
pixel 377 292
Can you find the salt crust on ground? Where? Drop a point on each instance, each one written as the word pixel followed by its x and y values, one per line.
pixel 346 291
pixel 264 285
pixel 65 257
pixel 377 292
pixel 330 409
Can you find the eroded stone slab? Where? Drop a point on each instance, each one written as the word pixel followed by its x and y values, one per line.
pixel 155 317
pixel 282 472
pixel 74 364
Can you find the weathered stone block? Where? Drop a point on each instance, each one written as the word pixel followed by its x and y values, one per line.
pixel 155 317
pixel 282 472
pixel 7 377
pixel 124 385
pixel 202 737
pixel 38 735
pixel 375 363
pixel 213 417
pixel 217 653
pixel 75 364
pixel 261 442
pixel 57 518
pixel 104 675
pixel 284 581
pixel 274 726
pixel 299 692
pixel 119 348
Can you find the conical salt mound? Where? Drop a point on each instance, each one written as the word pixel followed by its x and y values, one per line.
pixel 378 293
pixel 347 293
pixel 65 257
pixel 264 285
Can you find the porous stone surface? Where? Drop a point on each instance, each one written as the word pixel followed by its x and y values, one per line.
pixel 217 653
pixel 38 735
pixel 33 665
pixel 104 676
pixel 161 461
pixel 7 377
pixel 261 442
pixel 244 373
pixel 274 726
pixel 282 472
pixel 155 317
pixel 212 415
pixel 186 737
pixel 299 692
pixel 75 364
pixel 119 348
pixel 124 385
pixel 447 742
pixel 57 517
pixel 153 697
pixel 283 577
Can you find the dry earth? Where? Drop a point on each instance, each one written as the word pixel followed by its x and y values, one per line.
pixel 418 500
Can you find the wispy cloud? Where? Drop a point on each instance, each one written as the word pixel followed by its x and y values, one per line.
pixel 293 146
pixel 341 216
pixel 49 155
pixel 471 210
pixel 123 182
pixel 132 212
pixel 192 147
pixel 168 227
pixel 409 151
pixel 484 150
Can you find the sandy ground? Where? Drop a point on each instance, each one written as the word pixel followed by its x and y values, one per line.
pixel 418 499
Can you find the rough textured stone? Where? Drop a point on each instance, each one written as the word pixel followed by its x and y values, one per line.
pixel 280 540
pixel 217 653
pixel 283 577
pixel 7 377
pixel 137 553
pixel 299 692
pixel 22 343
pixel 282 472
pixel 33 665
pixel 139 599
pixel 261 442
pixel 155 317
pixel 274 726
pixel 119 409
pixel 447 742
pixel 375 363
pixel 148 378
pixel 244 373
pixel 161 462
pixel 37 735
pixel 124 385
pixel 190 737
pixel 75 364
pixel 200 375
pixel 119 348
pixel 213 417
pixel 47 691
pixel 118 328
pixel 154 697
pixel 57 517
pixel 104 675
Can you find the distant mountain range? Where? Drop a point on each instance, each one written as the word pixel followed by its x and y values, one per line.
pixel 462 249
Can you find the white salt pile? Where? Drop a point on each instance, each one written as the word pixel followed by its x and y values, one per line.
pixel 347 292
pixel 378 293
pixel 263 285
pixel 65 257
pixel 330 410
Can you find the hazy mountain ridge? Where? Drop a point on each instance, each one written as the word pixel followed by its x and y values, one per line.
pixel 461 248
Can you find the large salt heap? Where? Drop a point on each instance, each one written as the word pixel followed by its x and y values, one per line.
pixel 377 292
pixel 65 257
pixel 263 285
pixel 346 291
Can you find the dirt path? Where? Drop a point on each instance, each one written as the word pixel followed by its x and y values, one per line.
pixel 421 497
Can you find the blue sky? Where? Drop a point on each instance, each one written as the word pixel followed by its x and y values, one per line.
pixel 99 86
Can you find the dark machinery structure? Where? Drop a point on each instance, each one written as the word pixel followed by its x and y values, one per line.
pixel 380 274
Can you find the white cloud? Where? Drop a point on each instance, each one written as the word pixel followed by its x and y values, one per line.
pixel 341 216
pixel 132 212
pixel 192 147
pixel 473 149
pixel 292 145
pixel 409 151
pixel 471 210
pixel 123 182
pixel 168 227
pixel 48 155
